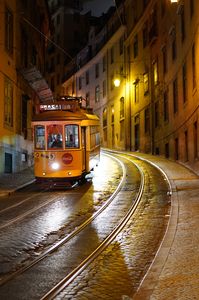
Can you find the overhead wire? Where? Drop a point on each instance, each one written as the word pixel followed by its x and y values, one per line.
pixel 47 38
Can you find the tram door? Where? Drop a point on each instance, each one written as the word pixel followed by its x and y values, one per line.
pixel 83 136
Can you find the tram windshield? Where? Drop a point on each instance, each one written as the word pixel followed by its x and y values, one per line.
pixel 71 136
pixel 40 137
pixel 55 136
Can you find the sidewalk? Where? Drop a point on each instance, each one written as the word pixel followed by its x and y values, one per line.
pixel 11 182
pixel 174 273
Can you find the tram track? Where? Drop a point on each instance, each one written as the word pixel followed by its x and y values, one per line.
pixel 67 280
pixel 70 235
pixel 125 190
pixel 55 292
pixel 27 213
pixel 65 240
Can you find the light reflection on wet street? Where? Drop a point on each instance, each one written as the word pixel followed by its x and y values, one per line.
pixel 63 211
pixel 118 270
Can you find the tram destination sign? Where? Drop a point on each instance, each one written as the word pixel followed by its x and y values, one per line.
pixel 58 106
pixel 70 103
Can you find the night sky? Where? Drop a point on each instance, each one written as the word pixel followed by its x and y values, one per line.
pixel 97 6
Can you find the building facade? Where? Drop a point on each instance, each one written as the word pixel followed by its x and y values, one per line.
pixel 70 33
pixel 22 52
pixel 154 53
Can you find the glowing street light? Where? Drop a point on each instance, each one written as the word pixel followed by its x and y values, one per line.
pixel 116 82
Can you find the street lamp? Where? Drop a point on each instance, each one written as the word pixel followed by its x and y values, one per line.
pixel 116 82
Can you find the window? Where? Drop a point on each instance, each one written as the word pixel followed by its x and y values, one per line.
pixel 164 59
pixel 146 83
pixel 96 70
pixel 112 114
pixel 147 120
pixel 104 88
pixel 87 77
pixel 55 136
pixel 8 102
pixel 153 24
pixel 121 45
pixel 87 99
pixel 182 23
pixel 184 82
pixel 121 107
pixel 155 73
pixel 97 93
pixel 156 114
pixel 174 54
pixel 193 66
pixel 112 55
pixel 145 35
pixel 175 96
pixel 24 49
pixel 191 8
pixel 80 83
pixel 8 31
pixel 167 150
pixel 186 145
pixel 104 117
pixel 94 136
pixel 163 7
pixel 122 130
pixel 166 106
pixel 39 137
pixel 71 136
pixel 176 149
pixel 135 46
pixel 136 91
pixel 104 63
pixel 24 115
pixel 195 139
pixel 112 82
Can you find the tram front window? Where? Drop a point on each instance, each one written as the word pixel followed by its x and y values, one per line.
pixel 55 134
pixel 71 136
pixel 40 137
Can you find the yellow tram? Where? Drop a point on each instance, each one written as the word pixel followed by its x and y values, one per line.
pixel 66 141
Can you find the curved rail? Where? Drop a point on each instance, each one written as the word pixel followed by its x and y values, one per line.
pixel 73 233
pixel 104 244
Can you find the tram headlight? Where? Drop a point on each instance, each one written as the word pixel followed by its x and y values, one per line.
pixel 55 166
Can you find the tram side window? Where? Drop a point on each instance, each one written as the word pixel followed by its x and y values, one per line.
pixel 55 136
pixel 72 136
pixel 94 136
pixel 40 137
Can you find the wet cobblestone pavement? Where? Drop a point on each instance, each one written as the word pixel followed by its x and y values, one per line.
pixel 117 273
pixel 174 272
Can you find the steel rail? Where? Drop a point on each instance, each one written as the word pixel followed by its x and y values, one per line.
pixel 73 233
pixel 103 245
pixel 29 212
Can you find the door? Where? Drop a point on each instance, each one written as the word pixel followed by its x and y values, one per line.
pixel 137 137
pixel 83 139
pixel 8 163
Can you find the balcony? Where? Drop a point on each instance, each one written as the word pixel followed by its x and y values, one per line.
pixel 38 83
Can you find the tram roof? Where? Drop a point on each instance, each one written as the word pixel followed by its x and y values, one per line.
pixel 64 116
pixel 70 108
